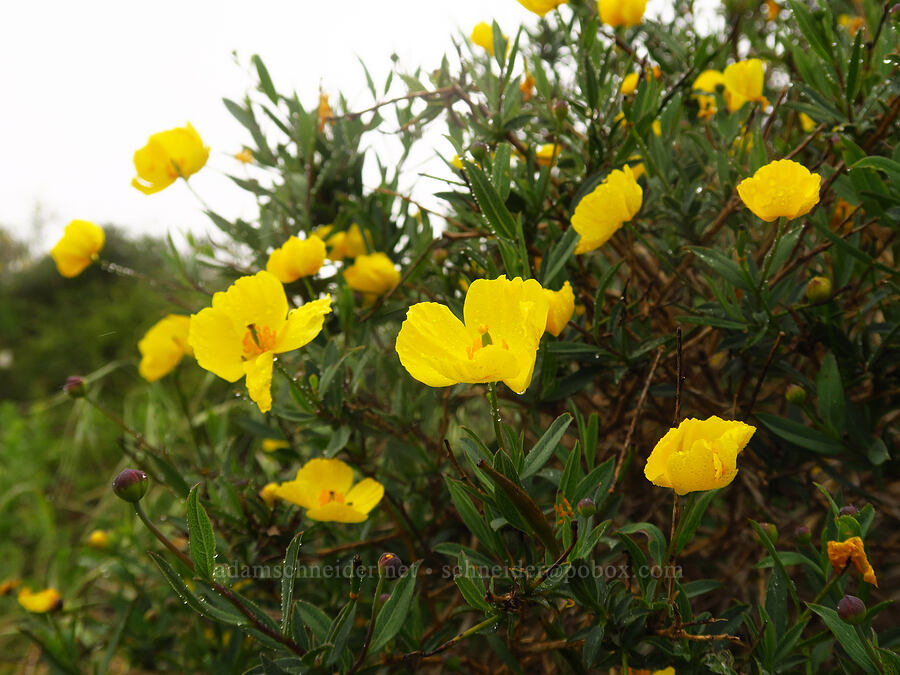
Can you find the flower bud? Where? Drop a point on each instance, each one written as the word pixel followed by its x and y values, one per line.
pixel 390 566
pixel 131 485
pixel 848 510
pixel 383 598
pixel 479 151
pixel 851 609
pixel 770 530
pixel 818 289
pixel 98 539
pixel 586 507
pixel 560 110
pixel 803 534
pixel 795 394
pixel 75 386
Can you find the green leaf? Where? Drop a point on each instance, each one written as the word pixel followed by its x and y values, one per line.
pixel 289 573
pixel 201 535
pixel 800 434
pixel 812 31
pixel 498 217
pixel 471 587
pixel 889 166
pixel 657 542
pixel 853 69
pixel 391 617
pixel 559 255
pixel 727 268
pixel 847 637
pixel 830 392
pixel 546 446
pixel 779 565
pixel 196 603
pixel 692 518
pixel 315 619
pixel 265 81
pixel 472 518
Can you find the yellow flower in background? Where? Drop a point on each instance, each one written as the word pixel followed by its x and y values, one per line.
pixel 527 86
pixel 842 553
pixel 851 23
pixel 163 346
pixel 347 243
pixel 7 586
pixel 245 328
pixel 373 274
pixel 807 123
pixel 483 36
pixel 245 156
pixel 541 7
pixel 609 206
pixel 637 166
pixel 273 444
pixel 617 13
pixel 744 82
pixel 498 340
pixel 169 155
pixel 78 247
pixel 707 81
pixel 562 306
pixel 267 494
pixel 48 600
pixel 324 487
pixel 629 84
pixel 296 258
pixel 546 154
pixel 782 188
pixel 98 539
pixel 324 111
pixel 698 455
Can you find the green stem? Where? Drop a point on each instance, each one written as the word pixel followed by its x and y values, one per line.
pixel 827 587
pixel 496 420
pixel 487 623
pixel 770 254
pixel 670 552
pixel 139 510
pixel 311 401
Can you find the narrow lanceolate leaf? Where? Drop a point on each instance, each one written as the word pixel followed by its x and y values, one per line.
pixel 391 617
pixel 202 538
pixel 847 637
pixel 193 601
pixel 289 573
pixel 545 447
pixel 830 392
pixel 498 217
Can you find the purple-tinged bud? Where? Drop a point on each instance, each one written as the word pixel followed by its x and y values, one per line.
pixel 803 534
pixel 390 566
pixel 770 530
pixel 560 110
pixel 851 609
pixel 795 394
pixel 848 510
pixel 131 485
pixel 586 507
pixel 383 598
pixel 75 386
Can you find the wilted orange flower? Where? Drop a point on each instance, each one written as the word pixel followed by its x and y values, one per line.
pixel 504 321
pixel 372 274
pixel 80 244
pixel 852 550
pixel 324 487
pixel 324 111
pixel 772 10
pixel 744 82
pixel 296 258
pixel 47 600
pixel 7 586
pixel 617 13
pixel 562 306
pixel 698 455
pixel 541 7
pixel 602 212
pixel 782 188
pixel 168 156
pixel 163 346
pixel 527 86
pixel 245 328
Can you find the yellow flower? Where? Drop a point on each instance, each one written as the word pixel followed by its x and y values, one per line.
pixel 602 212
pixel 456 162
pixel 245 156
pixel 163 346
pixel 373 274
pixel 483 36
pixel 48 600
pixel 629 84
pixel 296 258
pixel 744 82
pixel 637 167
pixel 562 306
pixel 8 586
pixel 245 328
pixel 807 123
pixel 324 487
pixel 842 553
pixel 541 7
pixel 79 245
pixel 98 539
pixel 707 81
pixel 347 243
pixel 273 444
pixel 169 155
pixel 324 111
pixel 617 13
pixel 546 154
pixel 851 23
pixel 267 494
pixel 698 455
pixel 657 127
pixel 780 188
pixel 504 321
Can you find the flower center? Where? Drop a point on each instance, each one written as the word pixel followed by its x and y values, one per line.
pixel 257 339
pixel 327 496
pixel 483 341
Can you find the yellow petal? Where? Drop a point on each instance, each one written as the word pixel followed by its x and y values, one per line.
pixel 373 273
pixel 336 512
pixel 617 13
pixel 782 188
pixel 167 156
pixel 259 380
pixel 302 325
pixel 268 494
pixel 257 300
pixel 483 36
pixel 81 242
pixel 629 84
pixel 327 474
pixel 562 306
pixel 541 7
pixel 216 343
pixel 296 258
pixel 610 205
pixel 365 495
pixel 744 82
pixel 41 602
pixel 163 346
pixel 431 343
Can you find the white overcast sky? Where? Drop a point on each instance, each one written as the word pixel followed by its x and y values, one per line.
pixel 84 83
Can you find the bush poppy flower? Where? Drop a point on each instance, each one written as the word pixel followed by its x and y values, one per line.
pixel 296 258
pixel 372 274
pixel 245 328
pixel 163 346
pixel 744 82
pixel 780 188
pixel 347 243
pixel 47 600
pixel 842 553
pixel 707 82
pixel 483 36
pixel 168 156
pixel 324 487
pixel 541 7
pixel 698 455
pixel 78 247
pixel 609 206
pixel 562 306
pixel 617 13
pixel 504 321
